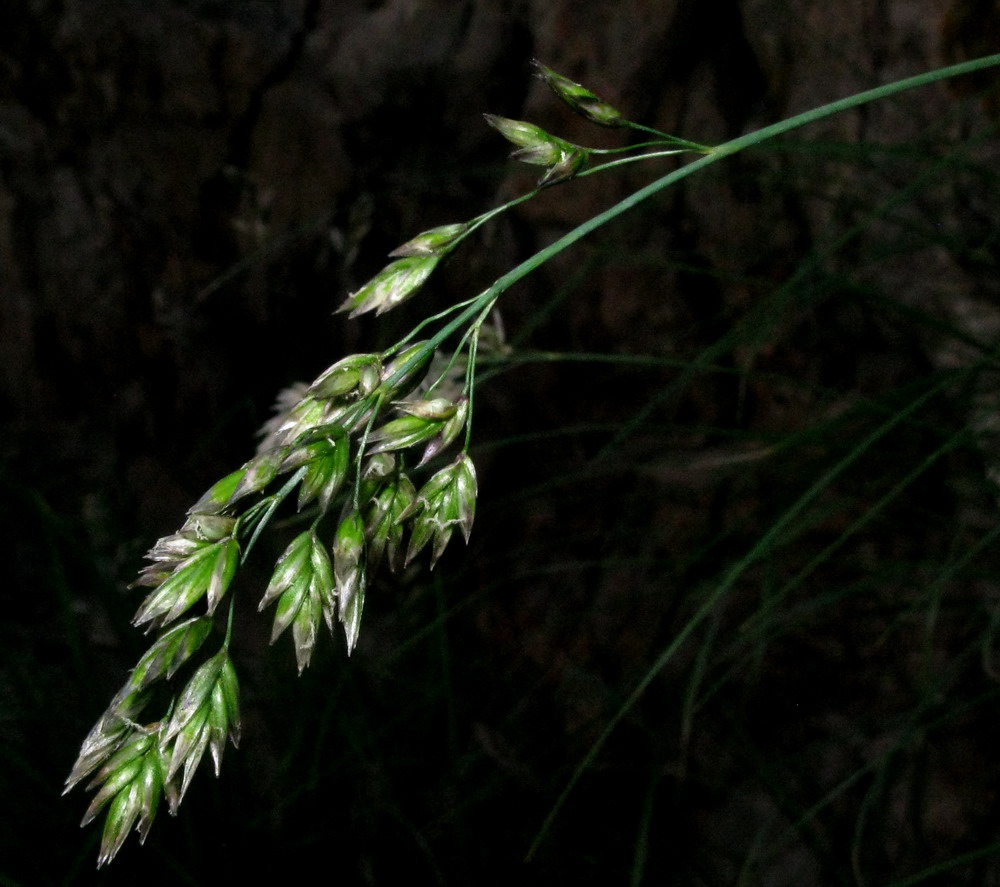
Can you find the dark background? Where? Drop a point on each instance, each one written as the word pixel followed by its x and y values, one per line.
pixel 187 192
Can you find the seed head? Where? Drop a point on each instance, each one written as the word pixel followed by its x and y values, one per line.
pixel 131 785
pixel 402 433
pixel 409 365
pixel 220 494
pixel 571 160
pixel 392 286
pixel 303 585
pixel 537 147
pixel 354 376
pixel 205 716
pixel 520 132
pixel 207 573
pixel 172 649
pixel 326 462
pixel 435 242
pixel 258 473
pixel 579 98
pixel 383 524
pixel 350 574
pixel 446 501
pixel 435 409
pixel 451 428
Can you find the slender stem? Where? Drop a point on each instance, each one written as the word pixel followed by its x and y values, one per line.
pixel 623 160
pixel 229 623
pixel 362 446
pixel 470 384
pixel 854 101
pixel 260 514
pixel 659 143
pixel 673 140
pixel 502 284
pixel 713 154
pixel 489 214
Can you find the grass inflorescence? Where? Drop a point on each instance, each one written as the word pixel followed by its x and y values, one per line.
pixel 374 455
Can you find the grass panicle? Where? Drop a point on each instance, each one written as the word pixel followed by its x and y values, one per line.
pixel 374 453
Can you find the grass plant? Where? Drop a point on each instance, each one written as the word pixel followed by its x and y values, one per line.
pixel 373 463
